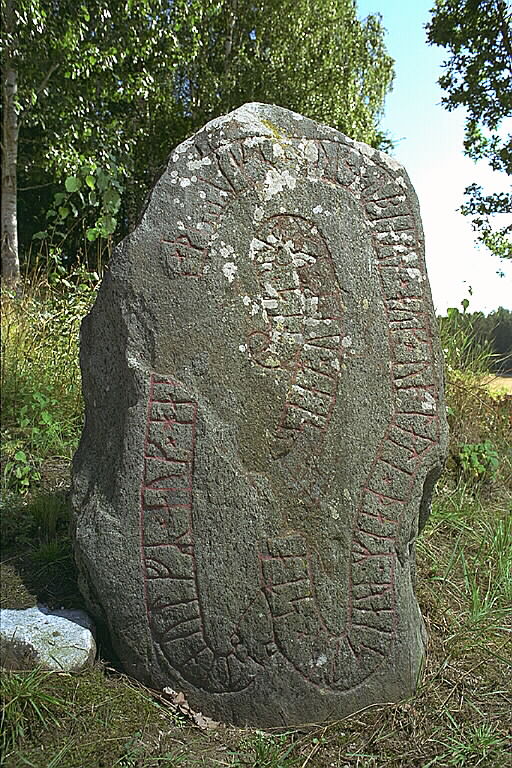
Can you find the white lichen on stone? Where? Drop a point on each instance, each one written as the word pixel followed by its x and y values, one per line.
pixel 271 290
pixel 253 141
pixel 429 403
pixel 230 269
pixel 346 342
pixel 226 250
pixel 255 247
pixel 310 150
pixel 276 181
pixel 193 165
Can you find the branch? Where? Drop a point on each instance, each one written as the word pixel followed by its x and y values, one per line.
pixel 44 82
pixel 42 86
pixel 504 28
pixel 36 186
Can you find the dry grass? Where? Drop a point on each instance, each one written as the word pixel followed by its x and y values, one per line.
pixel 501 384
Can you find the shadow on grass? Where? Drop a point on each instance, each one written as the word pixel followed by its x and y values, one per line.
pixel 36 554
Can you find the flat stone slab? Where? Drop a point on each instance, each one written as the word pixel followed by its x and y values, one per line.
pixel 60 640
pixel 264 425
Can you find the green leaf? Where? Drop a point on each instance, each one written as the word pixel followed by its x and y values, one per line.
pixel 21 456
pixel 89 180
pixel 63 211
pixel 92 234
pixel 107 225
pixel 40 235
pixel 103 180
pixel 112 200
pixel 72 184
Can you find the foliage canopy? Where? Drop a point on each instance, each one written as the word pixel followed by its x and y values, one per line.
pixel 478 76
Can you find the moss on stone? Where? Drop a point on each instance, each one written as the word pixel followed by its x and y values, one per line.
pixel 276 133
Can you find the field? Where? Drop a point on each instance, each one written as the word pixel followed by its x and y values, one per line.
pixel 499 384
pixel 461 715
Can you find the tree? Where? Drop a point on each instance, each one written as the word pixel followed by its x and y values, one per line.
pixel 313 57
pixel 478 76
pixel 78 94
pixel 10 129
pixel 107 87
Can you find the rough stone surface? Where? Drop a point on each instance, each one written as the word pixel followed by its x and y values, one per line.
pixel 264 425
pixel 54 639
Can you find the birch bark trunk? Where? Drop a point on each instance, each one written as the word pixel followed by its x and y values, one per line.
pixel 9 219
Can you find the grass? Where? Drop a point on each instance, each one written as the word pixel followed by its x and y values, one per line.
pixel 500 384
pixel 96 720
pixel 41 393
pixel 26 707
pixel 461 712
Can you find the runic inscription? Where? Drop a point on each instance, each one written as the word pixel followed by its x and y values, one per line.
pixel 173 599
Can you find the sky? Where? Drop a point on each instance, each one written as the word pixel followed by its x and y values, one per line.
pixel 429 143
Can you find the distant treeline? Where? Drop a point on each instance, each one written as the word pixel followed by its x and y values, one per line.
pixel 480 335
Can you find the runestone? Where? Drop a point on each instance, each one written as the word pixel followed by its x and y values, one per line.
pixel 264 426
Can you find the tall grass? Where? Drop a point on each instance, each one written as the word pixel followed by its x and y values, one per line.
pixel 25 707
pixel 480 419
pixel 40 379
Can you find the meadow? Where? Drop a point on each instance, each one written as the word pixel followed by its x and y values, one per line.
pixel 461 714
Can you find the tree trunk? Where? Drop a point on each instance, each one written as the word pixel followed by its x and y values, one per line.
pixel 10 257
